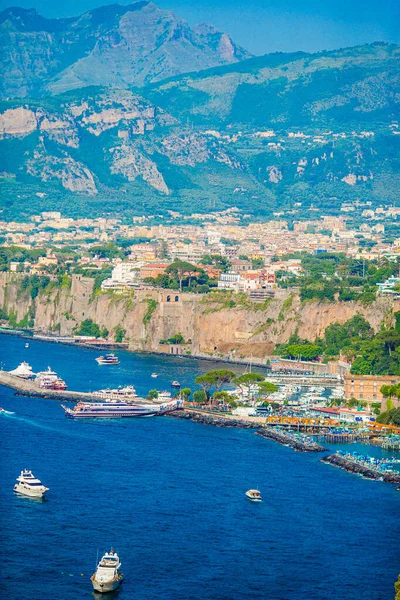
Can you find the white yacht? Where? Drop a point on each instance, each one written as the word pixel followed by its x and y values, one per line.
pixel 23 371
pixel 254 495
pixel 115 395
pixel 108 576
pixel 28 485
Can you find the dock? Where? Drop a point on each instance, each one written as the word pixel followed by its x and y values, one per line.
pixel 25 387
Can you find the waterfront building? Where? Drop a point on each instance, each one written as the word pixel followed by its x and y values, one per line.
pixel 368 387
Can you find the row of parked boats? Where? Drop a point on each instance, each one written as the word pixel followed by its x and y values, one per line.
pixel 48 379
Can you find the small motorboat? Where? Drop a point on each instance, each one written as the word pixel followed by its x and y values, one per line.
pixel 26 345
pixel 108 576
pixel 154 375
pixel 254 495
pixel 175 384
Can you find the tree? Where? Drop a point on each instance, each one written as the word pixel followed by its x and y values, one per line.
pixel 303 351
pixel 200 397
pixel 185 393
pixel 182 269
pixel 214 379
pixel 152 395
pixel 247 381
pixel 397 589
pixel 266 388
pixel 222 397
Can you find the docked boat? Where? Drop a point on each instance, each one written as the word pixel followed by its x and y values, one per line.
pixel 254 495
pixel 108 359
pixel 23 371
pixel 108 576
pixel 175 384
pixel 28 485
pixel 49 380
pixel 118 410
pixel 113 395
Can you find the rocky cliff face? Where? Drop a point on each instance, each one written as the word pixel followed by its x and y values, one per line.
pixel 249 329
pixel 113 45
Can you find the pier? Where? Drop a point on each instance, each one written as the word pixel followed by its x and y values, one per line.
pixel 25 387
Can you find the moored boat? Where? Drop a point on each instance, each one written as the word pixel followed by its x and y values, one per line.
pixel 254 495
pixel 121 393
pixel 23 371
pixel 175 384
pixel 108 576
pixel 49 380
pixel 28 485
pixel 108 359
pixel 118 410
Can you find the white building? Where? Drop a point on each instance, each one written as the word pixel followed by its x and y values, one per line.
pixel 124 276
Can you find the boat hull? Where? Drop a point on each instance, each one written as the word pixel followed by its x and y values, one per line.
pixel 105 587
pixel 109 415
pixel 31 493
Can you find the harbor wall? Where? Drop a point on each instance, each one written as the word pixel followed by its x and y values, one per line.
pixel 212 326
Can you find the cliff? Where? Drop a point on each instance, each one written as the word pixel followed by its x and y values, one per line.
pixel 212 325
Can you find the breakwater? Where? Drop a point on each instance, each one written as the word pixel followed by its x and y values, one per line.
pixel 353 466
pixel 214 420
pixel 300 443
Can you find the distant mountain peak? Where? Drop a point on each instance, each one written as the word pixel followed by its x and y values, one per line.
pixel 120 46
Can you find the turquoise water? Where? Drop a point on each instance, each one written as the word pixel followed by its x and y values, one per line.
pixel 169 496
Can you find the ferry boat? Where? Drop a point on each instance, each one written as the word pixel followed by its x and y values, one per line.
pixel 254 495
pixel 175 384
pixel 23 371
pixel 121 393
pixel 118 410
pixel 28 485
pixel 108 576
pixel 49 380
pixel 108 359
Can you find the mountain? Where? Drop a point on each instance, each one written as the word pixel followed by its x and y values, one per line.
pixel 265 134
pixel 122 46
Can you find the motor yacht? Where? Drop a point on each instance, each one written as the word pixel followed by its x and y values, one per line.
pixel 175 384
pixel 28 485
pixel 108 359
pixel 23 371
pixel 108 576
pixel 254 495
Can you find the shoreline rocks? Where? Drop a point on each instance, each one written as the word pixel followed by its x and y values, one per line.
pixel 354 467
pixel 288 440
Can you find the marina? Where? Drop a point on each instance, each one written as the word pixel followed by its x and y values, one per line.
pixel 140 458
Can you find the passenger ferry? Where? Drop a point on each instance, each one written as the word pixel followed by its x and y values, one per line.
pixel 28 485
pixel 108 359
pixel 108 576
pixel 117 410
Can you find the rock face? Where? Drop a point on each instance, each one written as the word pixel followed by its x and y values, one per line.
pixel 113 45
pixel 234 333
pixel 259 135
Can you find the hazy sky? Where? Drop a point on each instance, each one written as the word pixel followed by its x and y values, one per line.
pixel 264 26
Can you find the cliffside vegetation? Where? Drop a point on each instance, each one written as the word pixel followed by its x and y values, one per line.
pixel 372 354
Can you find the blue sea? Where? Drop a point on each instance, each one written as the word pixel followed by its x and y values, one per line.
pixel 169 496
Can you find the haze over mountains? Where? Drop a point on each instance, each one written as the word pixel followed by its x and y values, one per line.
pixel 113 45
pixel 129 110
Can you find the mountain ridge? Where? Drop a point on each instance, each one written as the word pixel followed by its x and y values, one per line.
pixel 113 45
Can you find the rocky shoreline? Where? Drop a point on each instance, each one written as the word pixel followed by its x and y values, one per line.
pixel 214 420
pixel 353 467
pixel 298 444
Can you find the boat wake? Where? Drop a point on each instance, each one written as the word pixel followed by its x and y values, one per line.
pixel 7 412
